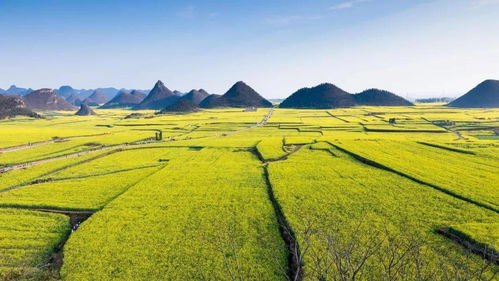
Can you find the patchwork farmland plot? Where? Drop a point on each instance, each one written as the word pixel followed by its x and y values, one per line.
pixel 364 193
pixel 27 239
pixel 471 177
pixel 328 197
pixel 220 211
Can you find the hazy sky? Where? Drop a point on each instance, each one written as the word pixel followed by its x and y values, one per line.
pixel 413 48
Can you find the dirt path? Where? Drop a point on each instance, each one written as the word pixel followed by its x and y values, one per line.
pixel 66 156
pixel 40 143
pixel 71 155
pixel 25 146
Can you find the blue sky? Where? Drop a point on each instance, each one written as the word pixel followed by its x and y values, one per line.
pixel 412 47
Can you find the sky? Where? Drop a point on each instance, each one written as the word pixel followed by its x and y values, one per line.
pixel 415 48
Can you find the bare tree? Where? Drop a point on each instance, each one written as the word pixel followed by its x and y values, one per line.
pixel 363 253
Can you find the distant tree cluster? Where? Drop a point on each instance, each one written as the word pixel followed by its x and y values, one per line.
pixel 435 100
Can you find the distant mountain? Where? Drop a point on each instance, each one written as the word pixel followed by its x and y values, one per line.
pixel 322 96
pixel 66 91
pixel 178 93
pixel 109 92
pixel 46 99
pixel 73 99
pixel 158 98
pixel 376 97
pixel 96 98
pixel 11 106
pixel 485 95
pixel 125 99
pixel 196 96
pixel 210 101
pixel 330 96
pixel 139 94
pixel 14 90
pixel 85 110
pixel 182 105
pixel 239 95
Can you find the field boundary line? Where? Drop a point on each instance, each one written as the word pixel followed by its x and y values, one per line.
pixel 457 133
pixel 386 168
pixel 99 174
pixel 41 180
pixel 66 209
pixel 446 148
pixel 334 116
pixel 59 169
pixel 294 270
pixel 48 209
pixel 133 184
pixel 476 247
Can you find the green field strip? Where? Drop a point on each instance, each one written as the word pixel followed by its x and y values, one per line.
pixel 12 179
pixel 294 270
pixel 446 147
pixel 76 154
pixel 220 211
pixel 147 155
pixel 60 156
pixel 89 176
pixel 434 167
pixel 417 180
pixel 76 195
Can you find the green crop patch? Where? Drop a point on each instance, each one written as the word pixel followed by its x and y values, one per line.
pixel 442 168
pixel 27 239
pixel 89 193
pixel 208 211
pixel 340 200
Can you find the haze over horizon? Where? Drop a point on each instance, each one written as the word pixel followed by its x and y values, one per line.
pixel 417 48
